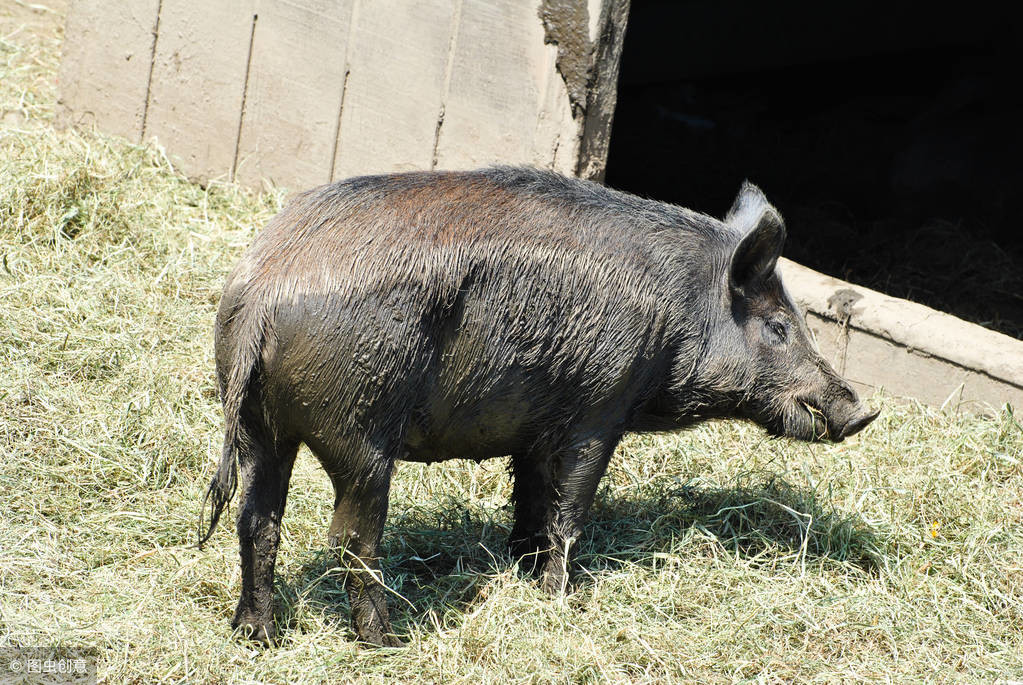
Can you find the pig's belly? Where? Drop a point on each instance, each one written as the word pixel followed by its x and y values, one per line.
pixel 470 427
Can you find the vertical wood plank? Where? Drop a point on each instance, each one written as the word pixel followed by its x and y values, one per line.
pixel 296 77
pixel 500 83
pixel 198 83
pixel 397 60
pixel 104 70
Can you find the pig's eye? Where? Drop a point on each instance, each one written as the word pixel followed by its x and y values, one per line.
pixel 776 332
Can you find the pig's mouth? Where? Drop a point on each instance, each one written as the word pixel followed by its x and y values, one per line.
pixel 806 419
pixel 803 419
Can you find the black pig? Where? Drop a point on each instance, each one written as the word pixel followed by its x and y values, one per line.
pixel 507 311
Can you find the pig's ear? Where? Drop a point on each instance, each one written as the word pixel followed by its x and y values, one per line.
pixel 763 234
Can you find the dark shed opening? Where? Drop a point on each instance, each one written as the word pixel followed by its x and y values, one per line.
pixel 888 135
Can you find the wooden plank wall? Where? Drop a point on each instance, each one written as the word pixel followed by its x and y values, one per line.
pixel 302 92
pixel 296 78
pixel 104 74
pixel 197 87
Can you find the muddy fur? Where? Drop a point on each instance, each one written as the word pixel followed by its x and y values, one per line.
pixel 506 311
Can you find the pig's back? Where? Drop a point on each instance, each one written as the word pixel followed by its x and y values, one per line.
pixel 482 304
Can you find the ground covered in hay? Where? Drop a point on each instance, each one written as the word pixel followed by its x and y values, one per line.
pixel 713 555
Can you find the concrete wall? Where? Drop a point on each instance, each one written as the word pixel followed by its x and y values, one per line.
pixel 307 91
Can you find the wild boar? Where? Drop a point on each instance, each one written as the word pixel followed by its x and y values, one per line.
pixel 500 312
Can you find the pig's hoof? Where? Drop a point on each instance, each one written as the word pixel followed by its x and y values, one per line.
pixel 255 630
pixel 390 640
pixel 530 552
pixel 250 626
pixel 378 638
pixel 555 580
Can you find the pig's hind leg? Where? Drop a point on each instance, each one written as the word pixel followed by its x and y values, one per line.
pixel 361 487
pixel 265 462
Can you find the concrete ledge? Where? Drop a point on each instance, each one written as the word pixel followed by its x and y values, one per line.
pixel 908 349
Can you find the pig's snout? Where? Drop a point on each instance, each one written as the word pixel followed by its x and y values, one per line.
pixel 860 420
pixel 834 421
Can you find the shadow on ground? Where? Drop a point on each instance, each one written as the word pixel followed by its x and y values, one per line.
pixel 439 557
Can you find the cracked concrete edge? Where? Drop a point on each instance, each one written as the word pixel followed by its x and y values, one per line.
pixel 909 349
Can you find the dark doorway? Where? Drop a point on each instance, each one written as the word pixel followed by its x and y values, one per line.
pixel 889 136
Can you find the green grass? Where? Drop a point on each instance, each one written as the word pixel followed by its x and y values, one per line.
pixel 712 555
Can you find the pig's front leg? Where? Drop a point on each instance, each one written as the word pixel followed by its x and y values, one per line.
pixel 533 497
pixel 576 473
